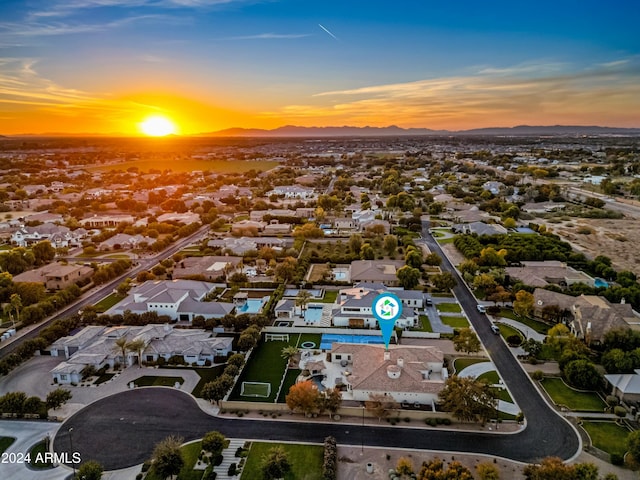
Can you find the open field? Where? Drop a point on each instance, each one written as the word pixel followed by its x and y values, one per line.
pixel 188 165
pixel 617 239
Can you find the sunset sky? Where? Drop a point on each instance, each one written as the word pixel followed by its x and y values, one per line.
pixel 103 66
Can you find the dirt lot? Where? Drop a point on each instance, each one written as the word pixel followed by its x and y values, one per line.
pixel 617 239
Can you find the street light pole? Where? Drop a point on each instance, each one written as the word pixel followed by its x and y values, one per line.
pixel 73 465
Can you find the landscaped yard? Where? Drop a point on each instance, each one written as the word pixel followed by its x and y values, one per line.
pixel 607 436
pixel 150 381
pixel 39 449
pixel 562 394
pixel 455 322
pixel 190 455
pixel 536 325
pixel 107 302
pixel 305 460
pixel 507 330
pixel 425 324
pixel 206 375
pixel 104 378
pixel 289 380
pixel 449 308
pixel 5 442
pixel 330 296
pixel 460 363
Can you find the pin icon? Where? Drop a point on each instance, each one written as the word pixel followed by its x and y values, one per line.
pixel 387 308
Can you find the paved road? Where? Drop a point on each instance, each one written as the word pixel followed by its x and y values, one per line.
pixel 98 293
pixel 121 431
pixel 544 424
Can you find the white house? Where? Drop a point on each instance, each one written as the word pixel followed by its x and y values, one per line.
pixel 179 299
pixel 409 374
pixel 354 306
pixel 96 346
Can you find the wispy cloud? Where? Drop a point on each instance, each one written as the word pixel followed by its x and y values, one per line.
pixel 270 36
pixel 490 96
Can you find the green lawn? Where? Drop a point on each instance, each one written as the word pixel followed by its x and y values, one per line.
pixel 507 330
pixel 455 322
pixel 104 378
pixel 5 442
pixel 305 460
pixel 190 455
pixel 537 325
pixel 207 374
pixel 449 307
pixel 607 436
pixel 445 241
pixel 461 363
pixel 491 377
pixel 503 394
pixel 150 381
pixel 425 324
pixel 561 394
pixel 330 296
pixel 39 448
pixel 265 365
pixel 289 380
pixel 107 302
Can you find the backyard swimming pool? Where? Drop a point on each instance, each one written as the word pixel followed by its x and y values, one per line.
pixel 293 292
pixel 313 313
pixel 252 305
pixel 329 338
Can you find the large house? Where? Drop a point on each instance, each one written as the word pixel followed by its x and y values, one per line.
pixel 96 346
pixel 58 235
pixel 208 268
pixel 56 276
pixel 540 274
pixel 589 317
pixel 178 299
pixel 294 192
pixel 409 374
pixel 354 306
pixel 381 271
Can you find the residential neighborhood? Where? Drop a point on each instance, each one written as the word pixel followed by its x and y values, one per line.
pixel 245 286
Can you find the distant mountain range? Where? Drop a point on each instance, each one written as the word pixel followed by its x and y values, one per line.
pixel 393 130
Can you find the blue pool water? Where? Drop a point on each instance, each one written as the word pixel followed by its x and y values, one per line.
pixel 598 282
pixel 253 305
pixel 329 338
pixel 313 313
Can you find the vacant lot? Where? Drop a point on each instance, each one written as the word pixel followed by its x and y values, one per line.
pixel 305 460
pixel 617 239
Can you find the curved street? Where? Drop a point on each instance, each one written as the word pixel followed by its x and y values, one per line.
pixel 121 430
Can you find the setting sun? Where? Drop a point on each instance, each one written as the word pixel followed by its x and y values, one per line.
pixel 157 126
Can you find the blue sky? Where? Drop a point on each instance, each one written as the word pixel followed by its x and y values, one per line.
pixel 101 64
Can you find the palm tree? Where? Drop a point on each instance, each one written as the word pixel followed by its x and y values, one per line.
pixel 138 346
pixel 289 352
pixel 121 347
pixel 302 299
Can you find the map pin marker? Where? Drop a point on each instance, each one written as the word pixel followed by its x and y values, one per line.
pixel 387 308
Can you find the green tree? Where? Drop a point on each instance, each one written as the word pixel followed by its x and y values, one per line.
pixel 289 352
pixel 633 444
pixel 120 346
pixel 43 252
pixel 466 341
pixel 302 299
pixel 355 243
pixel 444 281
pixel 214 442
pixel 275 463
pixel 16 303
pixel 468 399
pixel 367 252
pixel 583 374
pixel 167 457
pixel 413 257
pixel 404 466
pixel 90 470
pixel 408 277
pixel 331 399
pixel 58 397
pixel 390 244
pixel 488 471
pixel 433 259
pixel 523 304
pixel 286 270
